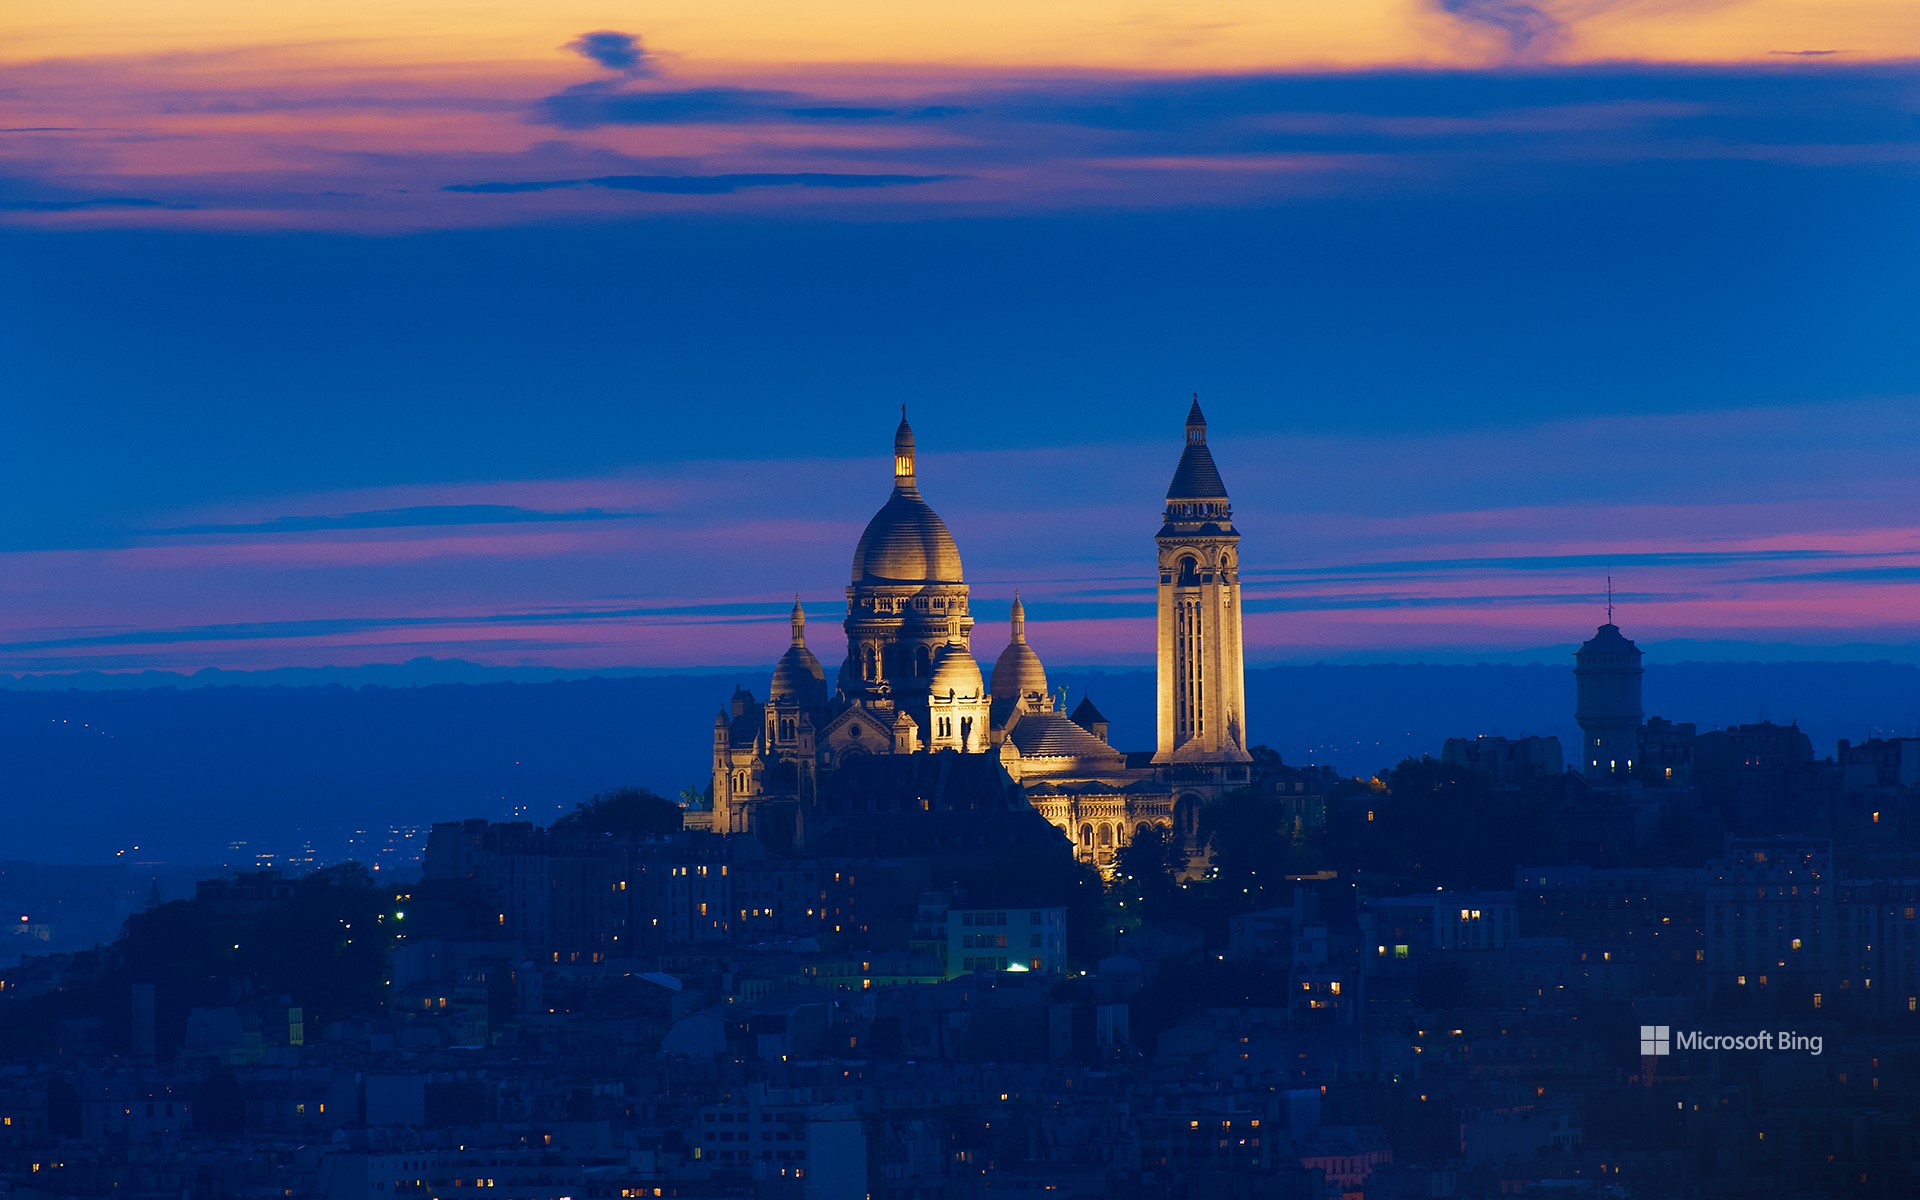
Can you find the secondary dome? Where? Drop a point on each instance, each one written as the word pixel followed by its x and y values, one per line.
pixel 1017 672
pixel 906 542
pixel 955 671
pixel 798 675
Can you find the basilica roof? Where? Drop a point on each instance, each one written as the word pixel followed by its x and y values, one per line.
pixel 1052 735
pixel 1085 715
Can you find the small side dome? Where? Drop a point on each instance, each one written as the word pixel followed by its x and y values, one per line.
pixel 956 671
pixel 797 677
pixel 1018 671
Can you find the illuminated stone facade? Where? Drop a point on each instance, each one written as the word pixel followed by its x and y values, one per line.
pixel 1202 679
pixel 910 684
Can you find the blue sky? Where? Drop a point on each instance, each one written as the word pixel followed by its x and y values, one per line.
pixel 1468 338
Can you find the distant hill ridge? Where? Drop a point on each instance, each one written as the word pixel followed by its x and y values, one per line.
pixel 182 769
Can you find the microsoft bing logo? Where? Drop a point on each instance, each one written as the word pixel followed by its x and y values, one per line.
pixel 1654 1040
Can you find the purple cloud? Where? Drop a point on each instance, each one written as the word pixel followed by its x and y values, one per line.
pixel 622 52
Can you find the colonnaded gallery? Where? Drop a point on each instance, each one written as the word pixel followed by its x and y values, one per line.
pixel 910 684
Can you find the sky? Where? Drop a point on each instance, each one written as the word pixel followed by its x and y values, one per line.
pixel 573 335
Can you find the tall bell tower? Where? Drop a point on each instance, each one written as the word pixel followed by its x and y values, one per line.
pixel 1202 685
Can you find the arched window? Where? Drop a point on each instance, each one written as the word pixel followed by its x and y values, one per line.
pixel 922 662
pixel 1086 835
pixel 1189 570
pixel 869 664
pixel 1106 835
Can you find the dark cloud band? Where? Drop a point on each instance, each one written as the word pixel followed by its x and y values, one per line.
pixel 701 185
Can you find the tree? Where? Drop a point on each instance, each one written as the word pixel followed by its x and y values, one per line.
pixel 1266 762
pixel 1251 839
pixel 627 810
pixel 1147 871
pixel 1430 824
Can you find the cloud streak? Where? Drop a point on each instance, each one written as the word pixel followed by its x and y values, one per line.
pixel 415 517
pixel 700 185
pixel 592 106
pixel 154 143
pixel 90 204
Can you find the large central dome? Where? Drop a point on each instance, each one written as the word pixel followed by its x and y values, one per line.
pixel 906 542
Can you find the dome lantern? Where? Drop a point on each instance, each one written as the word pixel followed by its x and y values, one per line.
pixel 903 452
